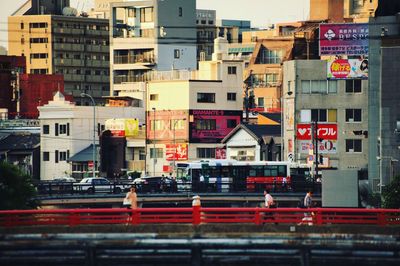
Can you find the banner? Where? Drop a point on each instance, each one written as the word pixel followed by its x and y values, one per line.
pixel 343 39
pixel 347 68
pixel 324 147
pixel 176 152
pixel 123 127
pixel 325 131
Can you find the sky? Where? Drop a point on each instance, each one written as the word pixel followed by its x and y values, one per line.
pixel 261 13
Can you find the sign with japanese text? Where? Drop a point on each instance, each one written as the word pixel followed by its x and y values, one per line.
pixel 324 147
pixel 343 39
pixel 123 127
pixel 176 152
pixel 325 131
pixel 347 68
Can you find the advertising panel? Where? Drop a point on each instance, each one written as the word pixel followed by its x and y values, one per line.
pixel 165 125
pixel 325 131
pixel 211 126
pixel 220 153
pixel 123 127
pixel 324 146
pixel 343 39
pixel 176 152
pixel 347 68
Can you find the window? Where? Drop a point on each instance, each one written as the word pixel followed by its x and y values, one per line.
pixel 22 25
pixel 39 56
pixel 146 14
pixel 38 40
pixel 353 86
pixel 63 129
pixel 39 71
pixel 260 102
pixel 132 12
pixel 318 86
pixel 206 124
pixel 156 153
pixel 180 11
pixel 321 115
pixel 267 56
pixel 205 152
pixel 231 123
pixel 46 129
pixel 38 25
pixel 353 145
pixel 231 96
pixel 231 70
pixel 153 97
pixel 353 115
pixel 46 156
pixel 205 97
pixel 63 155
pixel 177 54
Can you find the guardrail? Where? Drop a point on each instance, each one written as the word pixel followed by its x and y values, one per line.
pixel 198 215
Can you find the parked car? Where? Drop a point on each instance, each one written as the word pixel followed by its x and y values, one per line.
pixel 155 184
pixel 64 179
pixel 98 184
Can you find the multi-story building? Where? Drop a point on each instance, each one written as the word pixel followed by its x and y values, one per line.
pixel 150 35
pixel 205 107
pixel 76 47
pixel 264 73
pixel 339 107
pixel 383 104
pixel 67 129
pixel 360 11
pixel 206 33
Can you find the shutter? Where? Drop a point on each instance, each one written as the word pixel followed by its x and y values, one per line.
pixel 67 129
pixel 67 154
pixel 56 129
pixel 56 156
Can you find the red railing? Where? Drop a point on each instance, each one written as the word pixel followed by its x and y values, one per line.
pixel 197 215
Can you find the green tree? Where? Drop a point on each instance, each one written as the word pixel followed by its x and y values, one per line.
pixel 391 194
pixel 16 188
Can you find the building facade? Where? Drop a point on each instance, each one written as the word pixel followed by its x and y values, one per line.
pixel 75 47
pixel 339 107
pixel 150 35
pixel 67 129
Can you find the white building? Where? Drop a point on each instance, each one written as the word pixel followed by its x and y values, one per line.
pixel 150 35
pixel 67 129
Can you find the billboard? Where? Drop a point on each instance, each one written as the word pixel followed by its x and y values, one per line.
pixel 325 131
pixel 123 127
pixel 347 68
pixel 176 152
pixel 324 146
pixel 211 126
pixel 343 39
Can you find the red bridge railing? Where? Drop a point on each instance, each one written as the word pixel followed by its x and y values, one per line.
pixel 197 215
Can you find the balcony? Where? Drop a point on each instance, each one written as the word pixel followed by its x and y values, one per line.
pixel 74 77
pixel 68 31
pixel 97 63
pixel 99 79
pixel 134 59
pixel 98 48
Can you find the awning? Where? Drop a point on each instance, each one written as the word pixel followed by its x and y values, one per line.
pixel 234 50
pixel 84 155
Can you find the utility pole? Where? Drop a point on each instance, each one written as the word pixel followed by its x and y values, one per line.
pixel 316 141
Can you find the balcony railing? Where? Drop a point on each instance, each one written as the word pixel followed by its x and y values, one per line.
pixel 126 59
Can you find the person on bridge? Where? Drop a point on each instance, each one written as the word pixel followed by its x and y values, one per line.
pixel 131 197
pixel 268 200
pixel 308 203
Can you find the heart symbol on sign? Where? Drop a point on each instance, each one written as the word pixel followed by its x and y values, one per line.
pixel 302 131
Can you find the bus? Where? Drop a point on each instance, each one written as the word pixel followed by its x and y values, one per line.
pixel 233 176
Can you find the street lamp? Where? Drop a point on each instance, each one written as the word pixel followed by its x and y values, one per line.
pixel 94 131
pixel 154 141
pixel 174 125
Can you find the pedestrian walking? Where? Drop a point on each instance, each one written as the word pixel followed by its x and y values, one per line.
pixel 130 201
pixel 308 203
pixel 268 200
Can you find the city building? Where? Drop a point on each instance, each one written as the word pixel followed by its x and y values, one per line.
pixel 383 104
pixel 189 114
pixel 338 105
pixel 361 11
pixel 68 129
pixel 264 73
pixel 206 33
pixel 147 36
pixel 63 43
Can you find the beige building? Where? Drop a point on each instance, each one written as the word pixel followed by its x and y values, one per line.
pixel 77 47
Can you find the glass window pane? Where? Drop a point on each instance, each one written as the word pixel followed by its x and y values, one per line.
pixel 332 86
pixel 305 116
pixel 322 115
pixel 332 115
pixel 305 86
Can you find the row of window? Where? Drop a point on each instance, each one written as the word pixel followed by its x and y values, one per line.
pixel 329 86
pixel 78 71
pixel 203 97
pixel 59 129
pixel 200 124
pixel 82 41
pixel 329 115
pixel 59 156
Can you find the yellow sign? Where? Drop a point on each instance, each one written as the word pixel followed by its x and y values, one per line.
pixel 123 127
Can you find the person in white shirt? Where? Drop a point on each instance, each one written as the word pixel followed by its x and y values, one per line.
pixel 269 200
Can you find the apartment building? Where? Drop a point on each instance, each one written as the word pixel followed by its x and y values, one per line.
pixel 191 112
pixel 150 35
pixel 338 105
pixel 76 47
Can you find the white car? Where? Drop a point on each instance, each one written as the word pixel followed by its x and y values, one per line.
pixel 98 184
pixel 64 179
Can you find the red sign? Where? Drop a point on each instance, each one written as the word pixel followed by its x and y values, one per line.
pixel 325 131
pixel 176 152
pixel 340 68
pixel 220 153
